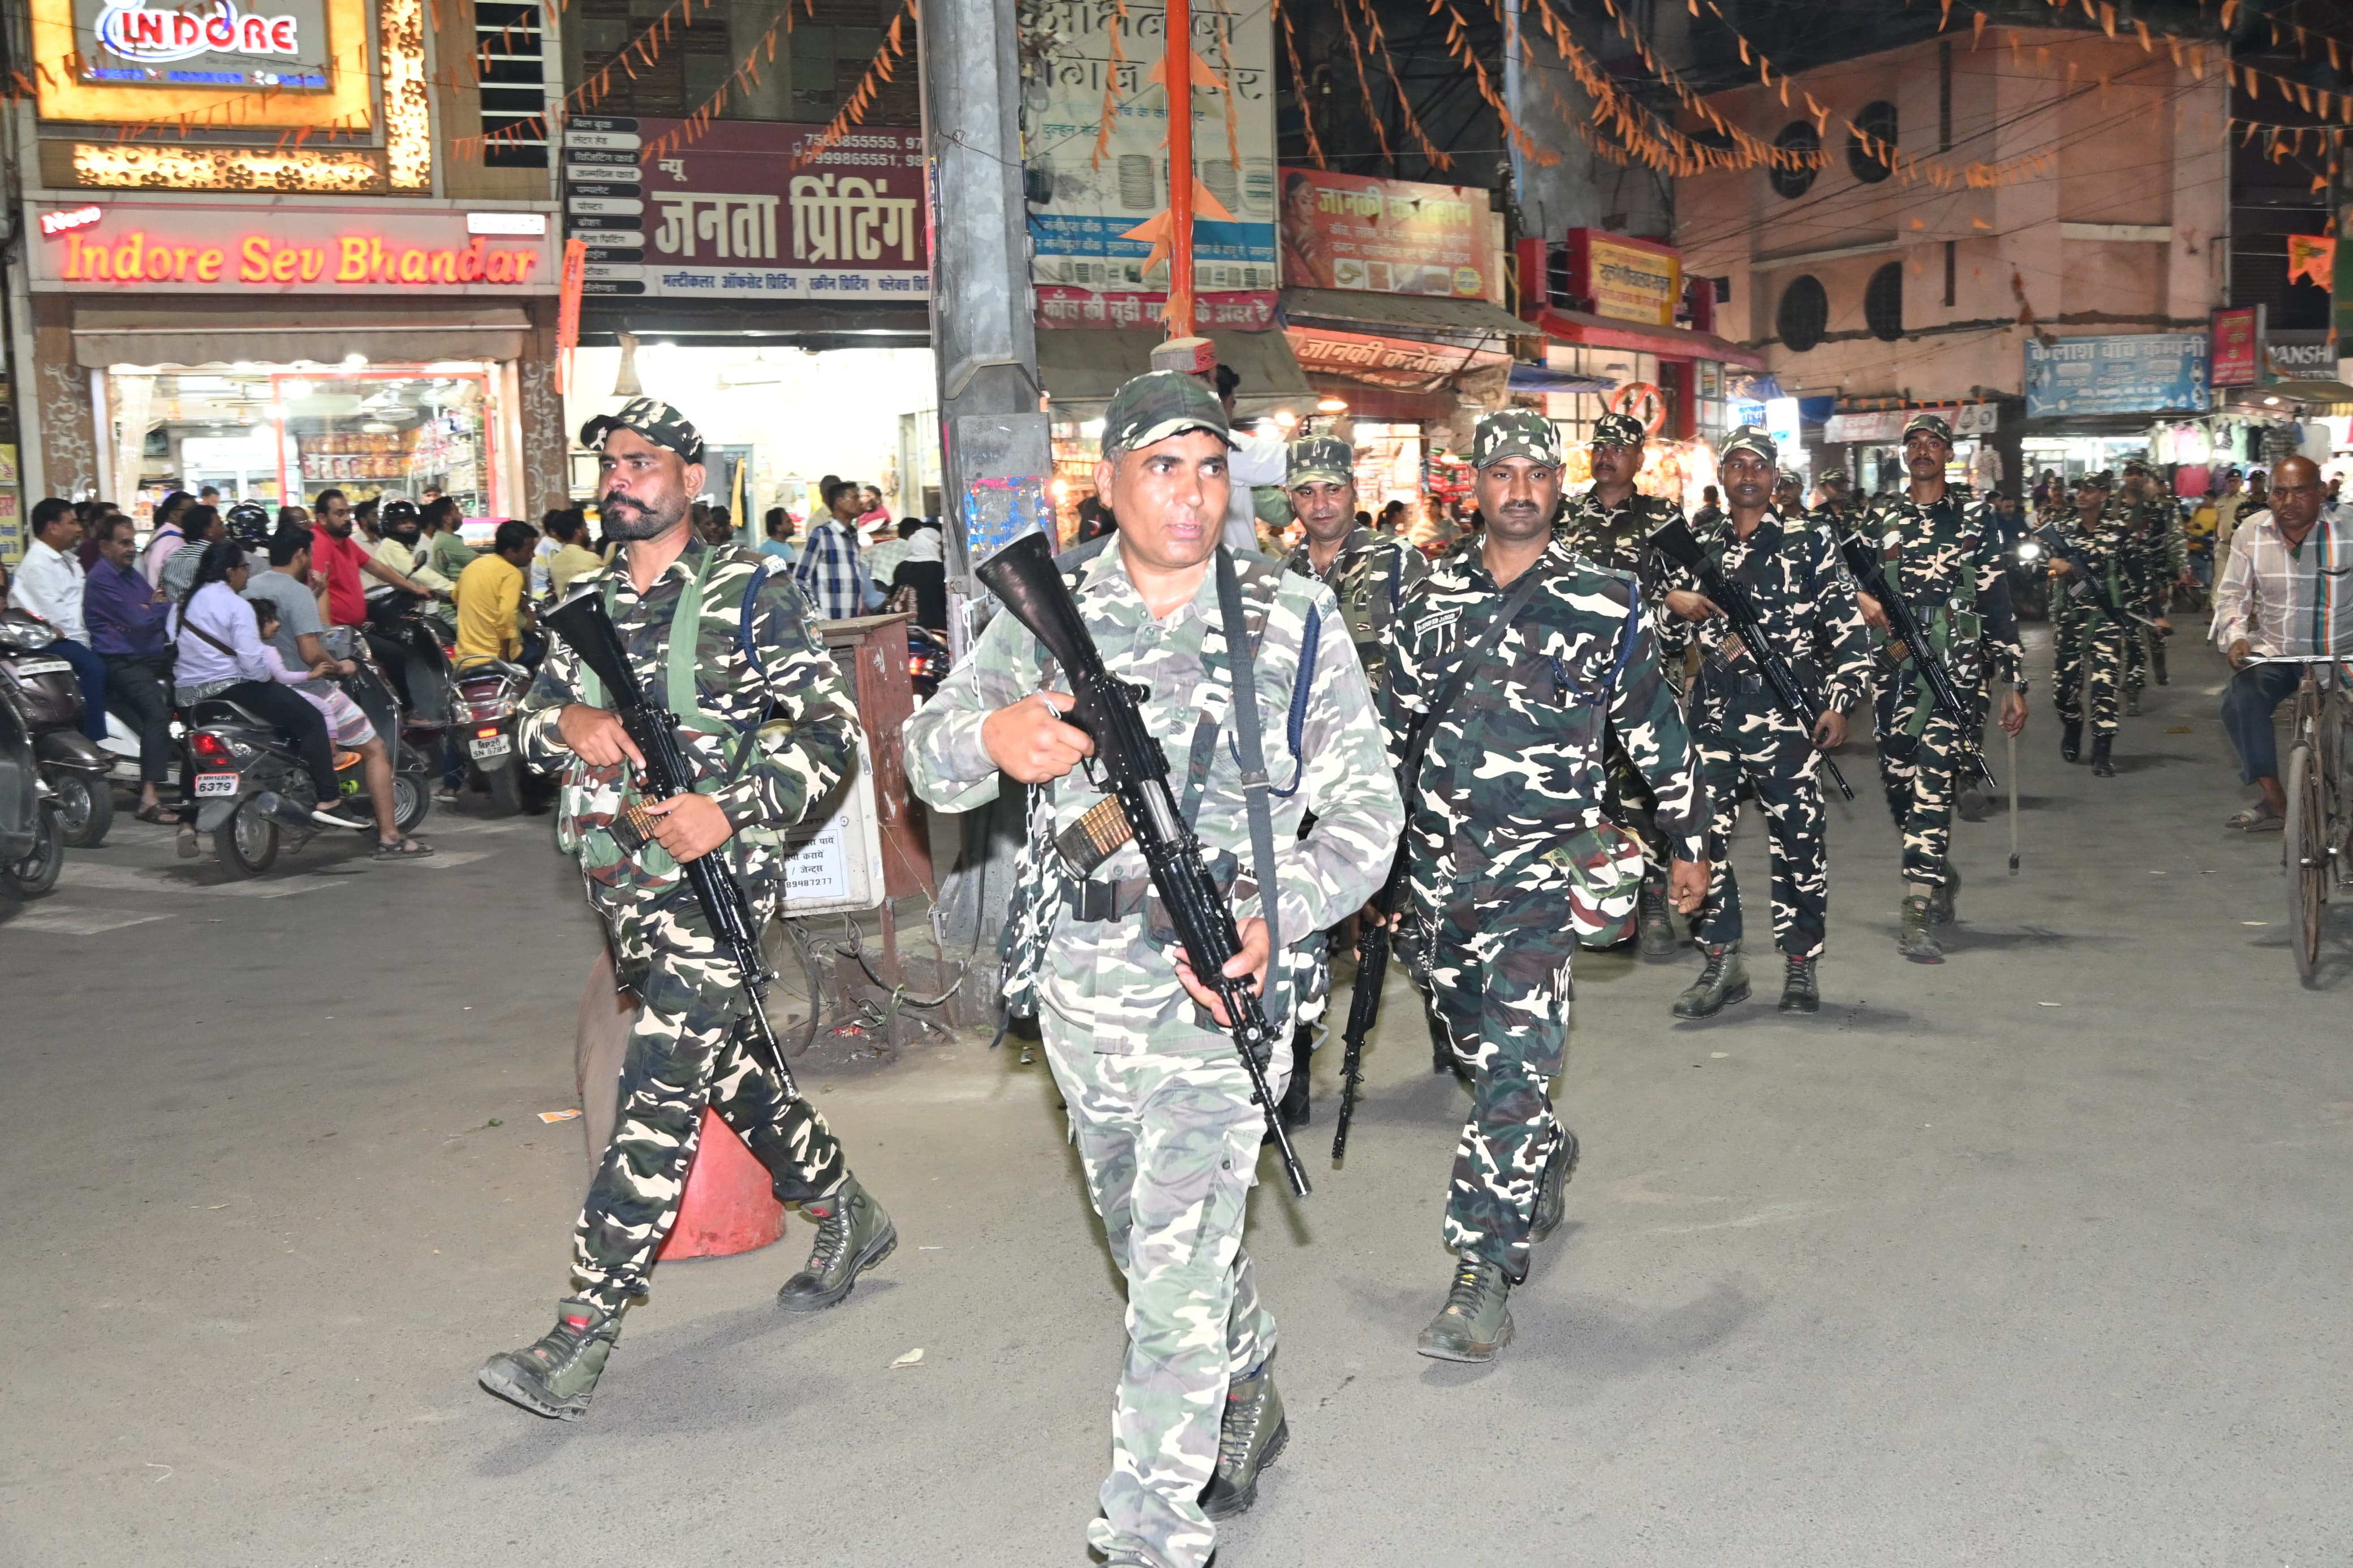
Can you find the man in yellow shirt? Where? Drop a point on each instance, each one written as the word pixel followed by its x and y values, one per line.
pixel 573 556
pixel 491 611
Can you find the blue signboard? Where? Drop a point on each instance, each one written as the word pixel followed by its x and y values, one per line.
pixel 2124 373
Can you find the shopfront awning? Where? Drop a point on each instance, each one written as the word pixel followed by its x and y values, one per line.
pixel 1082 367
pixel 1544 378
pixel 1401 315
pixel 1667 342
pixel 298 329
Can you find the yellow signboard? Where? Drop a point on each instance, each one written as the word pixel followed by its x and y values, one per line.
pixel 306 64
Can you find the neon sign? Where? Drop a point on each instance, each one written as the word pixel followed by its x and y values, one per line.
pixel 156 38
pixel 350 261
pixel 57 223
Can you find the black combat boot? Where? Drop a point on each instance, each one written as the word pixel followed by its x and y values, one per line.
pixel 2071 740
pixel 2132 702
pixel 1914 941
pixel 854 1234
pixel 1650 916
pixel 2103 765
pixel 1722 981
pixel 1476 1321
pixel 1799 993
pixel 1250 1439
pixel 1552 1198
pixel 1941 901
pixel 557 1375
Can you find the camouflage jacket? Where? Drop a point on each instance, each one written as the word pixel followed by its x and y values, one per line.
pixel 2112 552
pixel 1369 578
pixel 1614 539
pixel 1113 972
pixel 1946 561
pixel 2160 551
pixel 774 727
pixel 1514 768
pixel 1806 603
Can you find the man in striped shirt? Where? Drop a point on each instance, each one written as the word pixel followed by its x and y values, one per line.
pixel 830 571
pixel 2286 592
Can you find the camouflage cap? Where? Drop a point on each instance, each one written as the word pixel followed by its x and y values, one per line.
pixel 1618 430
pixel 2102 480
pixel 655 420
pixel 1748 438
pixel 1834 477
pixel 1787 476
pixel 1514 432
pixel 1325 458
pixel 1934 424
pixel 1160 404
pixel 2140 466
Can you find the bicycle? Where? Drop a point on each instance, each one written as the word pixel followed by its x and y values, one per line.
pixel 2318 822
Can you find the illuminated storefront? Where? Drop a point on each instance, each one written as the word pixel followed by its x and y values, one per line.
pixel 273 350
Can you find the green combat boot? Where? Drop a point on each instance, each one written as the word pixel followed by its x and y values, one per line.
pixel 1651 918
pixel 556 1376
pixel 1799 993
pixel 1914 941
pixel 1552 1198
pixel 854 1234
pixel 1723 980
pixel 1940 901
pixel 1250 1439
pixel 1476 1321
pixel 2103 765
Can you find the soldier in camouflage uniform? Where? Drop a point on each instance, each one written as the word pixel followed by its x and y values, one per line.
pixel 1610 525
pixel 1159 1103
pixel 2158 556
pixel 1369 573
pixel 768 726
pixel 1839 511
pixel 1945 558
pixel 2089 669
pixel 1805 602
pixel 1512 859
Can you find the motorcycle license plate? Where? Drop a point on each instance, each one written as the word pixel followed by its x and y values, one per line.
pixel 33 666
pixel 490 747
pixel 216 787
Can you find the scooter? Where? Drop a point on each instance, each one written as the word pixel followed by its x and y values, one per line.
pixel 48 701
pixel 31 841
pixel 484 697
pixel 2028 565
pixel 255 797
pixel 927 659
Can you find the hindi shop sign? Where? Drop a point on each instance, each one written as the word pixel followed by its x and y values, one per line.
pixel 2126 372
pixel 746 210
pixel 1625 280
pixel 1384 237
pixel 138 249
pixel 2230 359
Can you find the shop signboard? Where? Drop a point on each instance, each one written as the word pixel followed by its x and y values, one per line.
pixel 1884 426
pixel 260 62
pixel 2120 372
pixel 1625 280
pixel 746 210
pixel 1384 237
pixel 213 248
pixel 1400 364
pixel 1061 306
pixel 1088 190
pixel 2232 359
pixel 2299 356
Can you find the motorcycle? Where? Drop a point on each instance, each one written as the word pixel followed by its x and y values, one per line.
pixel 2028 563
pixel 41 688
pixel 32 840
pixel 927 659
pixel 255 797
pixel 484 697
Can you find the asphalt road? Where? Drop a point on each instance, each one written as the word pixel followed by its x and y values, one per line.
pixel 2036 1258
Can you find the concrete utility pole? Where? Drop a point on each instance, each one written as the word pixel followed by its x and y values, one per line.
pixel 997 461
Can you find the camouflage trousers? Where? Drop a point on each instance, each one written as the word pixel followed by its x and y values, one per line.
pixel 1169 1140
pixel 1795 825
pixel 684 1053
pixel 2090 673
pixel 1499 985
pixel 1918 776
pixel 1628 800
pixel 2138 641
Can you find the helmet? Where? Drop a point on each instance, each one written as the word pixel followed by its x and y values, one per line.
pixel 249 525
pixel 397 512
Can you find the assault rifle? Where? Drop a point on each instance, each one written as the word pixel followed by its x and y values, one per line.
pixel 1678 543
pixel 2084 586
pixel 1864 562
pixel 1373 944
pixel 588 630
pixel 1023 575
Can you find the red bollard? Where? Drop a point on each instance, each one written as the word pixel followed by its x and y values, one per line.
pixel 729 1206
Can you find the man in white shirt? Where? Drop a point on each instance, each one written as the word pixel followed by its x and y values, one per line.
pixel 49 583
pixel 1255 460
pixel 2286 592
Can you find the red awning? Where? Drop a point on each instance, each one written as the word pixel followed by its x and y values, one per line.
pixel 1667 342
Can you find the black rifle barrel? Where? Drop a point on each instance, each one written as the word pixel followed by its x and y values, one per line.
pixel 1023 575
pixel 1677 540
pixel 1373 945
pixel 588 631
pixel 1863 561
